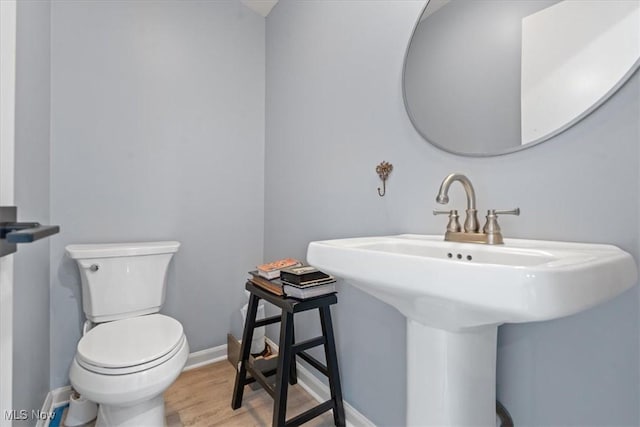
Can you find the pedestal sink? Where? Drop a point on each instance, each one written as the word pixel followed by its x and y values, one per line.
pixel 455 295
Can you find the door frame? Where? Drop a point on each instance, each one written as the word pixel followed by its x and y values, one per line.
pixel 7 149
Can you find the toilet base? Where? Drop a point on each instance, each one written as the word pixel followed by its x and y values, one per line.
pixel 148 413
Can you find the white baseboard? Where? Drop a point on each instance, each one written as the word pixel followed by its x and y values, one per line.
pixel 316 388
pixel 205 357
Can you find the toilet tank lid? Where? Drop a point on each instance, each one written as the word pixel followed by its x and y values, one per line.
pixel 109 250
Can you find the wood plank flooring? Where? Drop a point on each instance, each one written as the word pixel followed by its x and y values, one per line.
pixel 202 397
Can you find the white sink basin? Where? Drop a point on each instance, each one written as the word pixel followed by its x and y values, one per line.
pixel 455 295
pixel 458 285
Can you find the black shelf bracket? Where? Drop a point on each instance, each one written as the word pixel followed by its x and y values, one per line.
pixel 13 232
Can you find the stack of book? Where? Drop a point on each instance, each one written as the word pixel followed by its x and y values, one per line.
pixel 306 281
pixel 267 275
pixel 288 277
pixel 271 270
pixel 274 285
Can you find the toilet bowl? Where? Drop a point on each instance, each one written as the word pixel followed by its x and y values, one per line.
pixel 130 354
pixel 126 365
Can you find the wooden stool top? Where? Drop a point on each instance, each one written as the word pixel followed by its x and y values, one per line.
pixel 292 305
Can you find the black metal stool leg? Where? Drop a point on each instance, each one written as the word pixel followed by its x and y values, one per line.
pixel 245 349
pixel 332 365
pixel 293 373
pixel 282 376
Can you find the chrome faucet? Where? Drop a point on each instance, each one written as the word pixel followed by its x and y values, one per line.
pixel 491 233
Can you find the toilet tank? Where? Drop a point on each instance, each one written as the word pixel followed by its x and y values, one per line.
pixel 122 280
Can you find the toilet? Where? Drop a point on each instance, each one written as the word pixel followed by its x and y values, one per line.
pixel 129 354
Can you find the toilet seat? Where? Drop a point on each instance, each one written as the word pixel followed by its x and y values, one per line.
pixel 130 345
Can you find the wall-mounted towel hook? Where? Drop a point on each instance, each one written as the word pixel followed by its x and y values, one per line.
pixel 383 170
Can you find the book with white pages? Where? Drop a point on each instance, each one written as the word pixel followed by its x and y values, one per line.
pixel 309 291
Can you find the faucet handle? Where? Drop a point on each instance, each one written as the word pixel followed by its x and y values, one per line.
pixel 454 224
pixel 491 226
pixel 515 211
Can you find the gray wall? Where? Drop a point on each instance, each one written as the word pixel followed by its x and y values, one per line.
pixel 31 281
pixel 157 132
pixel 335 110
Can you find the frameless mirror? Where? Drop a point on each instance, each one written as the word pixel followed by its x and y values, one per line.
pixel 489 77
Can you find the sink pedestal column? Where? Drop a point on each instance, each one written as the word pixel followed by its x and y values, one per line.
pixel 451 376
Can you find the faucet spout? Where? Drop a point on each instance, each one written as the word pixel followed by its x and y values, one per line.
pixel 471 222
pixel 443 192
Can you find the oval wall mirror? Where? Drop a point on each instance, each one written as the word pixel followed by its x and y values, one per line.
pixel 490 77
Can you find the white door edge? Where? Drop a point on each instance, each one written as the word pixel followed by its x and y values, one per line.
pixel 7 141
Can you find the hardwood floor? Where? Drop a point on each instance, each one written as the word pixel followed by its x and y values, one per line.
pixel 202 397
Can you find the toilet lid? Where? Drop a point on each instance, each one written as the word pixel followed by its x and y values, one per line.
pixel 130 342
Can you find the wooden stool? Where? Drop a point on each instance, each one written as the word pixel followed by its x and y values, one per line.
pixel 286 369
